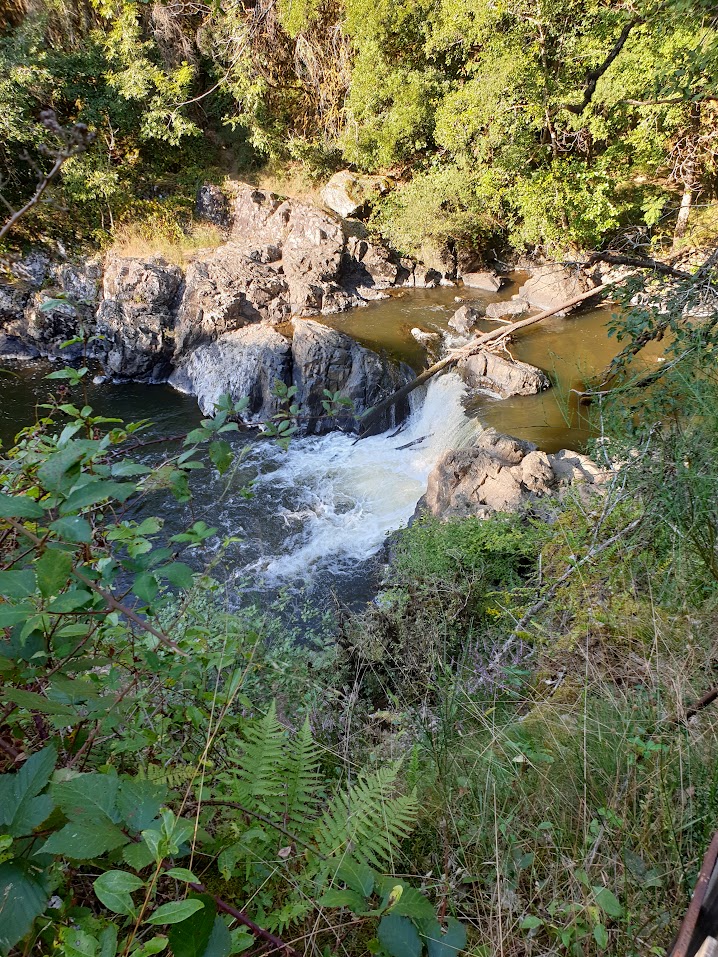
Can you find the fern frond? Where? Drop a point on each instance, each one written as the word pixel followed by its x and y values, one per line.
pixel 304 793
pixel 368 821
pixel 257 779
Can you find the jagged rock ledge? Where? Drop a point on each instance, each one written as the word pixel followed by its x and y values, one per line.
pixel 500 473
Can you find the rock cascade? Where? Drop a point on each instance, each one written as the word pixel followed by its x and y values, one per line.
pixel 503 474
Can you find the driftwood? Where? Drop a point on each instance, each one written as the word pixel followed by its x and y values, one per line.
pixel 469 349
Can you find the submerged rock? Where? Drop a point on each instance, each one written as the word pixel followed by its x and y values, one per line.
pixel 487 280
pixel 503 474
pixel 485 370
pixel 512 307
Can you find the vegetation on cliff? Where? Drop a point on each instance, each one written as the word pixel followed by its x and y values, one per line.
pixel 549 125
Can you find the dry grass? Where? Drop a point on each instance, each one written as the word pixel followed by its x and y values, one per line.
pixel 142 240
pixel 292 181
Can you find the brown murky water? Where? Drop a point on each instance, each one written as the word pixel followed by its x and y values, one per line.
pixel 570 350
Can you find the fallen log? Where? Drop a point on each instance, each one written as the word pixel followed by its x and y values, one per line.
pixel 371 415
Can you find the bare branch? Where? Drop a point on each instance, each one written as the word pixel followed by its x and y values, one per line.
pixel 593 76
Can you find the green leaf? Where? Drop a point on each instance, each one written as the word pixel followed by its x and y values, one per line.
pixel 139 802
pixel 154 946
pixel 138 855
pixel 600 935
pixel 182 874
pixel 145 587
pixel 108 941
pixel 19 506
pixel 530 922
pixel 53 473
pixel 14 614
pixel 445 944
pixel 18 812
pixel 335 897
pixel 191 937
pixel 220 943
pixel 399 936
pixel 84 840
pixel 95 492
pixel 74 528
pixel 175 912
pixel 413 904
pixel 360 877
pixel 22 899
pixel 16 585
pixel 53 570
pixel 32 701
pixel 76 943
pixel 113 889
pixel 179 575
pixel 90 796
pixel 607 901
pixel 220 453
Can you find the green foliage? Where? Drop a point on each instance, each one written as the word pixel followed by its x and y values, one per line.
pixel 128 687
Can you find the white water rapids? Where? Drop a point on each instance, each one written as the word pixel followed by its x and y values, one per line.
pixel 328 503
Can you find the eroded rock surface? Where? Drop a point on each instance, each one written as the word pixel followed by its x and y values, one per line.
pixel 553 284
pixel 503 474
pixel 349 194
pixel 485 370
pixel 465 319
pixel 137 317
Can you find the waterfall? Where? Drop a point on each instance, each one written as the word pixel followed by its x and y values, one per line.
pixel 328 503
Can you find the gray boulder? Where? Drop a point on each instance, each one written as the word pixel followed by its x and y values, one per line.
pixel 487 280
pixel 368 267
pixel 485 370
pixel 326 359
pixel 465 319
pixel 503 474
pixel 246 362
pixel 349 194
pixel 553 284
pixel 137 317
pixel 513 307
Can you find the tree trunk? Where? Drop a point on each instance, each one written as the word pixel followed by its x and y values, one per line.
pixel 689 172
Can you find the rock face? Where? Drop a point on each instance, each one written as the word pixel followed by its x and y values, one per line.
pixel 247 362
pixel 137 317
pixel 326 359
pixel 368 267
pixel 36 322
pixel 349 194
pixel 554 284
pixel 465 319
pixel 227 291
pixel 503 474
pixel 484 370
pixel 213 206
pixel 487 280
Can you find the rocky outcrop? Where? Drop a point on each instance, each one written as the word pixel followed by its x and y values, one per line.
pixel 137 317
pixel 249 361
pixel 350 194
pixel 485 370
pixel 38 322
pixel 553 284
pixel 326 359
pixel 227 291
pixel 244 363
pixel 503 474
pixel 213 206
pixel 368 267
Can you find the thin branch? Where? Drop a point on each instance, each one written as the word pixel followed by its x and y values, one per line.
pixel 593 76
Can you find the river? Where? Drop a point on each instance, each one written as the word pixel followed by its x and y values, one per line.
pixel 318 513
